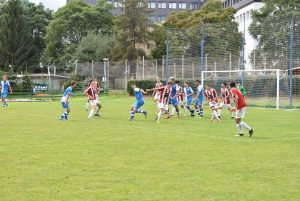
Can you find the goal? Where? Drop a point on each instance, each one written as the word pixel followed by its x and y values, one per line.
pixel 264 87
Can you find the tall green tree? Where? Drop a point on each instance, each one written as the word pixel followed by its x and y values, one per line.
pixel 70 24
pixel 16 46
pixel 271 27
pixel 132 30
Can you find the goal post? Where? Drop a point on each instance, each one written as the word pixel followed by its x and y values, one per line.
pixel 262 86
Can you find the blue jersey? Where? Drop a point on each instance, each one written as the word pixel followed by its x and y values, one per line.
pixel 174 89
pixel 139 95
pixel 200 91
pixel 67 93
pixel 188 91
pixel 4 86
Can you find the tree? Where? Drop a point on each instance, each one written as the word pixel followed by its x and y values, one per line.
pixel 16 46
pixel 159 37
pixel 221 34
pixel 132 31
pixel 70 24
pixel 271 27
pixel 94 47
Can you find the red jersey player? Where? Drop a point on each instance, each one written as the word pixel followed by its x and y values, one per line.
pixel 225 97
pixel 240 109
pixel 92 92
pixel 180 98
pixel 212 98
pixel 157 93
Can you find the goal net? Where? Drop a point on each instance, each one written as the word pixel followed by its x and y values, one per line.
pixel 267 88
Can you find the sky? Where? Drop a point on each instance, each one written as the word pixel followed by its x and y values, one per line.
pixel 52 4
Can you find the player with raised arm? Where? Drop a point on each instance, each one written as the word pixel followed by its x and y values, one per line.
pixel 225 97
pixel 91 93
pixel 198 100
pixel 136 108
pixel 188 97
pixel 157 93
pixel 65 101
pixel 173 99
pixel 163 101
pixel 240 108
pixel 5 86
pixel 212 98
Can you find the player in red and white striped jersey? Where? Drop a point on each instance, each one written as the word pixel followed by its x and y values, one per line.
pixel 157 93
pixel 92 92
pixel 212 98
pixel 225 97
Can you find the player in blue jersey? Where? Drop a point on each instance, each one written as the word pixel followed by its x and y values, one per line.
pixel 173 95
pixel 199 99
pixel 188 93
pixel 5 86
pixel 65 101
pixel 136 107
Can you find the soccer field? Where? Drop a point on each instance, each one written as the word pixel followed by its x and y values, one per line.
pixel 110 158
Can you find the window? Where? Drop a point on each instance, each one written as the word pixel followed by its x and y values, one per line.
pixel 161 18
pixel 162 5
pixel 172 5
pixel 194 6
pixel 182 5
pixel 151 4
pixel 152 18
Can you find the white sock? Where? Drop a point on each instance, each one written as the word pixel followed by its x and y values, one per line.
pixel 87 105
pixel 240 131
pixel 231 113
pixel 173 110
pixel 91 113
pixel 219 112
pixel 159 115
pixel 244 125
pixel 215 114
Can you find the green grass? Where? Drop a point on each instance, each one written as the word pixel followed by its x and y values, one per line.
pixel 111 158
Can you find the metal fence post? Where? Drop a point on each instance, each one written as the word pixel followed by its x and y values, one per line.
pixel 243 51
pixel 291 60
pixel 167 54
pixel 143 67
pixel 202 50
pixel 182 68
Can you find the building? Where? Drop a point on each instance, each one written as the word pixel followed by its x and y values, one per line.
pixel 161 8
pixel 243 18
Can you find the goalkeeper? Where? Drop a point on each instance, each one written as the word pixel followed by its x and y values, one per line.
pixel 241 88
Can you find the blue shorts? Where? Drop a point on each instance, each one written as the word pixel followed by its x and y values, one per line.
pixel 174 101
pixel 199 101
pixel 189 101
pixel 65 105
pixel 4 95
pixel 138 105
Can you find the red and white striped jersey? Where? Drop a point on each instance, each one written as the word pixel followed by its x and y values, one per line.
pixel 92 93
pixel 180 94
pixel 158 85
pixel 225 95
pixel 211 95
pixel 164 91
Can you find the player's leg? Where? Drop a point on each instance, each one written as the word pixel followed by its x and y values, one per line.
pixel 188 106
pixel 175 104
pixel 132 109
pixel 197 107
pixel 161 111
pixel 244 124
pixel 87 105
pixel 139 110
pixel 231 112
pixel 65 115
pixel 98 109
pixel 220 110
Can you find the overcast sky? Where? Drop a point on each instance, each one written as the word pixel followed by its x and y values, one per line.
pixel 52 4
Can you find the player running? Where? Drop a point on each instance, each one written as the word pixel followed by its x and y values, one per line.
pixel 188 97
pixel 65 101
pixel 225 96
pixel 173 95
pixel 5 86
pixel 157 93
pixel 212 98
pixel 240 109
pixel 136 108
pixel 92 92
pixel 199 99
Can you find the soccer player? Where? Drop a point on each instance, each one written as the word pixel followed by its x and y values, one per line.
pixel 136 108
pixel 5 86
pixel 163 101
pixel 212 98
pixel 240 108
pixel 173 95
pixel 225 96
pixel 180 97
pixel 188 94
pixel 88 101
pixel 91 93
pixel 98 87
pixel 157 93
pixel 66 99
pixel 241 88
pixel 199 99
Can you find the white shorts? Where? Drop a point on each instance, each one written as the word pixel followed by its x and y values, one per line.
pixel 223 105
pixel 215 105
pixel 156 97
pixel 239 114
pixel 94 102
pixel 162 106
